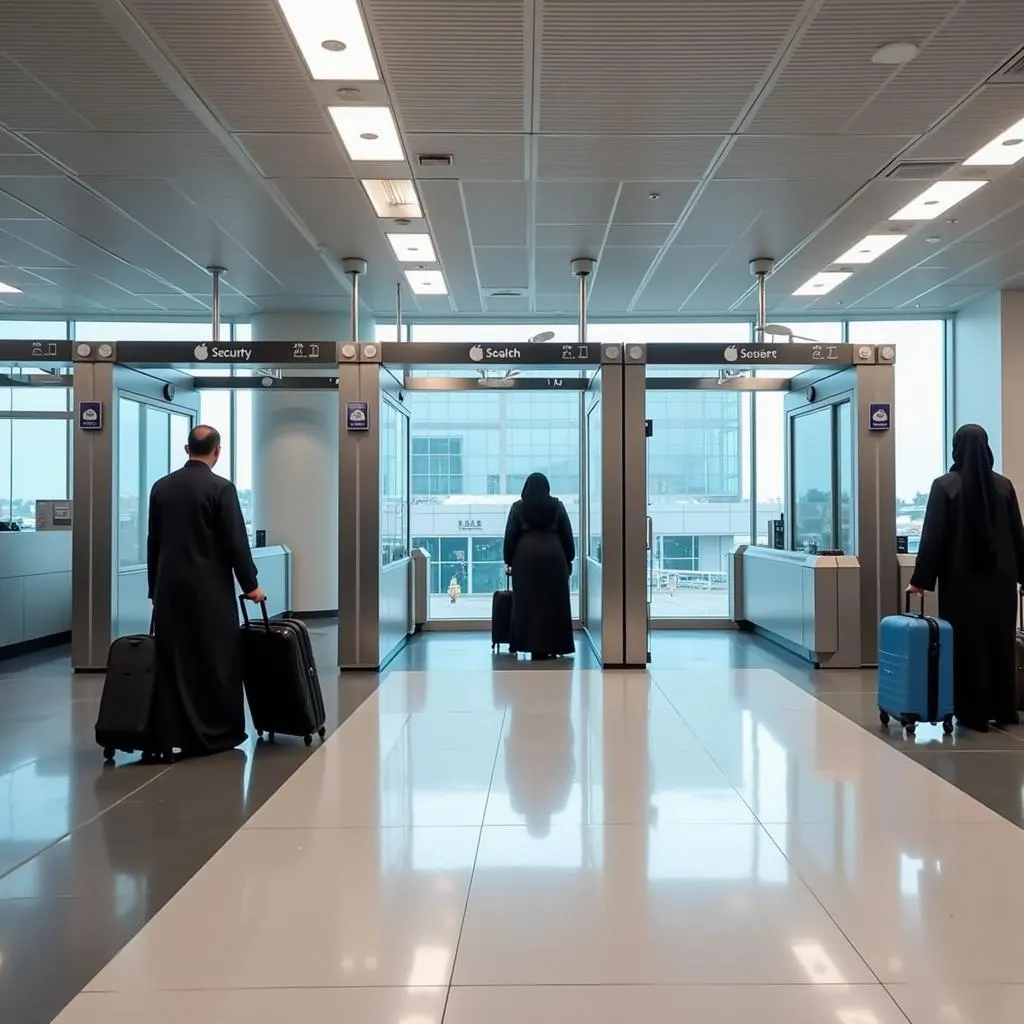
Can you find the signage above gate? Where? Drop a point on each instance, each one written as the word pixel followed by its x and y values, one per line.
pixel 786 354
pixel 255 353
pixel 481 354
pixel 35 351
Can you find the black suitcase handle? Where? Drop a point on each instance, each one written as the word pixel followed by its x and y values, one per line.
pixel 906 606
pixel 245 612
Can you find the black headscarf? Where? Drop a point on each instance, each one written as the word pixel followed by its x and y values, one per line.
pixel 539 507
pixel 973 462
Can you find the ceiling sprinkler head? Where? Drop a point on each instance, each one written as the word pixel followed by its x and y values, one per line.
pixel 539 339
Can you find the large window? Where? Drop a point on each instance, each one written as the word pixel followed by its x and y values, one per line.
pixel 812 480
pixel 436 466
pixel 394 483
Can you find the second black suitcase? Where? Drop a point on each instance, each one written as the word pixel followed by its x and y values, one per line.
pixel 281 681
pixel 125 721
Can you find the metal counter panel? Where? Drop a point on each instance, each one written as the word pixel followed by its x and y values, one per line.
pixel 395 606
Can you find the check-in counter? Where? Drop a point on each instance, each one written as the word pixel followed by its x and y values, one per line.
pixel 809 604
pixel 35 589
pixel 133 609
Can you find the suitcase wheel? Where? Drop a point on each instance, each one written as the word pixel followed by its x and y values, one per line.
pixel 108 753
pixel 883 717
pixel 909 727
pixel 308 740
pixel 947 724
pixel 322 732
pixel 271 737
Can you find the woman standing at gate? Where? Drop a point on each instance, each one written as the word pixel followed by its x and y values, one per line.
pixel 539 549
pixel 972 545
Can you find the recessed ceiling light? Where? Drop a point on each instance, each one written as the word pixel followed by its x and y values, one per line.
pixel 369 133
pixel 332 39
pixel 393 198
pixel 937 199
pixel 933 239
pixel 1005 149
pixel 823 283
pixel 895 53
pixel 426 282
pixel 412 248
pixel 870 248
pixel 654 195
pixel 347 92
pixel 9 289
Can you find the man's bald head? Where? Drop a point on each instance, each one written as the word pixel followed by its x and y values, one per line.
pixel 204 444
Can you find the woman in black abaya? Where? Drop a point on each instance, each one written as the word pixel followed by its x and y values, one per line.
pixel 539 549
pixel 972 545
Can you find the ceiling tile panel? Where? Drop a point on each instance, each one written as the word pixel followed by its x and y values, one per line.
pixel 26 104
pixel 974 43
pixel 638 234
pixel 503 267
pixel 507 305
pixel 445 208
pixel 652 202
pixel 678 274
pixel 289 155
pixel 581 238
pixel 618 277
pixel 130 154
pixel 626 157
pixel 575 202
pixel 477 157
pixel 453 67
pixel 809 157
pixel 240 57
pixel 658 66
pixel 826 81
pixel 497 213
pixel 70 47
pixel 987 114
pixel 20 165
pixel 553 274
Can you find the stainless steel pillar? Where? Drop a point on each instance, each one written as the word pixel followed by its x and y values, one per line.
pixel 583 268
pixel 637 532
pixel 760 268
pixel 216 273
pixel 355 268
pixel 398 312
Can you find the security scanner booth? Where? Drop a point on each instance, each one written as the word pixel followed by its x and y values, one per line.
pixel 377 385
pixel 133 407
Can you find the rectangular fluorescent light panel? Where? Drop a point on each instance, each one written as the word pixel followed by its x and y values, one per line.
pixel 426 282
pixel 823 283
pixel 393 198
pixel 332 39
pixel 413 248
pixel 869 248
pixel 369 133
pixel 1003 150
pixel 937 199
pixel 9 289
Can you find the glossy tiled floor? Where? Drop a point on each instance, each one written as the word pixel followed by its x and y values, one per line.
pixel 726 839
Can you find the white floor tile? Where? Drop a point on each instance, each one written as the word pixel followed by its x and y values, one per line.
pixel 630 905
pixel 436 773
pixel 320 908
pixel 922 902
pixel 962 1004
pixel 260 1006
pixel 654 1004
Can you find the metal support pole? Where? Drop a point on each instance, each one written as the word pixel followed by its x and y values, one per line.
pixel 760 268
pixel 355 268
pixel 215 304
pixel 583 268
pixel 398 311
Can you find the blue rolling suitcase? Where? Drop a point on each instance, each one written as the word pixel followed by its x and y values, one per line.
pixel 915 670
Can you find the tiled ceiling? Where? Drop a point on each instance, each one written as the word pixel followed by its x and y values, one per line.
pixel 672 140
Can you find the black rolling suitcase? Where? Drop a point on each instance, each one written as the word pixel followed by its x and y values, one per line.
pixel 501 619
pixel 280 677
pixel 126 718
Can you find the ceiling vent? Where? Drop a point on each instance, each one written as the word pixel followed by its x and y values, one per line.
pixel 921 170
pixel 505 293
pixel 435 160
pixel 1013 70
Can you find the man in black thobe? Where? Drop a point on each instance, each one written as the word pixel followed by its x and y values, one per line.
pixel 197 548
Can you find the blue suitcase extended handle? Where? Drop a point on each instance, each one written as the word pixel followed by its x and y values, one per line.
pixel 906 606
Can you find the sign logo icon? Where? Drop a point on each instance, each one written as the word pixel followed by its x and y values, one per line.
pixel 731 354
pixel 879 416
pixel 476 353
pixel 201 352
pixel 90 415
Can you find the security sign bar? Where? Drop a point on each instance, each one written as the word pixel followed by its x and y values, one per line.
pixel 753 356
pixel 483 354
pixel 35 352
pixel 206 353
